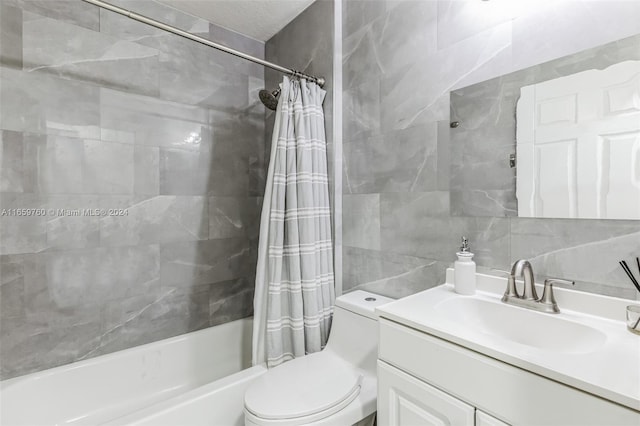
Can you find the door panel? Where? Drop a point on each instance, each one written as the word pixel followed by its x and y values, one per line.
pixel 404 400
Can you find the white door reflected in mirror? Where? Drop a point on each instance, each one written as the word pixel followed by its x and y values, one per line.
pixel 578 145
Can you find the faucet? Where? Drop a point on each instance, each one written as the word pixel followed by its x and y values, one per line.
pixel 529 297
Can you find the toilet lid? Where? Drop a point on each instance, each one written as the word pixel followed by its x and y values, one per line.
pixel 302 387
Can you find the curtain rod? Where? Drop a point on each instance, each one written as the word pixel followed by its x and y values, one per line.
pixel 145 20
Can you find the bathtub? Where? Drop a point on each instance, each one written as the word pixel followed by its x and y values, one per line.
pixel 194 379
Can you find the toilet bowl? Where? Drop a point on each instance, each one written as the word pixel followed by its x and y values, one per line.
pixel 334 387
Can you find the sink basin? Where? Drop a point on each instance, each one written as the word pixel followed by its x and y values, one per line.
pixel 538 330
pixel 586 346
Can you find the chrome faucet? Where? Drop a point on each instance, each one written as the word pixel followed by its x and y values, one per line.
pixel 529 298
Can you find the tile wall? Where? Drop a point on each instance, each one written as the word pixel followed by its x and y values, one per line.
pixel 102 113
pixel 401 59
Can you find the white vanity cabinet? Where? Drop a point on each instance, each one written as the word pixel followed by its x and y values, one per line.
pixel 405 400
pixel 425 380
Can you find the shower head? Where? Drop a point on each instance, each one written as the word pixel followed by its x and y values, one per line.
pixel 270 99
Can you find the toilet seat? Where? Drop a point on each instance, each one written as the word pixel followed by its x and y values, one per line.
pixel 312 387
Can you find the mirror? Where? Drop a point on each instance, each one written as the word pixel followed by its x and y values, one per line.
pixel 557 140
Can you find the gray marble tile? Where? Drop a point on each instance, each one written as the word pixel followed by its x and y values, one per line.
pixel 483 202
pixel 361 221
pixel 82 277
pixel 93 57
pixel 408 29
pixel 239 42
pixel 30 346
pixel 42 307
pixel 361 110
pixel 28 272
pixel 458 20
pixel 419 93
pixel 599 57
pixel 389 274
pixel 359 13
pixel 220 164
pixel 579 25
pixel 398 161
pixel 10 36
pixel 60 224
pixel 480 174
pixel 228 172
pixel 231 300
pixel 424 203
pixel 56 164
pixel 11 287
pixel 489 104
pixel 185 172
pixel 124 28
pixel 444 156
pixel 186 264
pixel 31 102
pixel 306 43
pixel 480 159
pixel 146 170
pixel 22 234
pixel 72 231
pixel 108 168
pixel 11 162
pixel 70 11
pixel 144 120
pixel 205 84
pixel 233 217
pixel 390 43
pixel 360 64
pixel 586 251
pixel 160 219
pixel 47 332
pixel 212 77
pixel 144 319
pixel 80 131
pixel 239 133
pixel 407 100
pixel 258 175
pixel 406 230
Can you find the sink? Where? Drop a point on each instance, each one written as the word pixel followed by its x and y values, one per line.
pixel 542 331
pixel 586 346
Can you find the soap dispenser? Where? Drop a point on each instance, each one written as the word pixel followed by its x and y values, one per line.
pixel 465 270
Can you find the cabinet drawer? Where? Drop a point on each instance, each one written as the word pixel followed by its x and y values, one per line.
pixel 510 393
pixel 404 400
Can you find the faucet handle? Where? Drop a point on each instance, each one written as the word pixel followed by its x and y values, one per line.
pixel 511 290
pixel 547 294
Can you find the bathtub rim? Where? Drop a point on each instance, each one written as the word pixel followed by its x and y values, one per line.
pixel 39 375
pixel 192 396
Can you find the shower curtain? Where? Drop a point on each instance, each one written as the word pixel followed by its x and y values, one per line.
pixel 294 294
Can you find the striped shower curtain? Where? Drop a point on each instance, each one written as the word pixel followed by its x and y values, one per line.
pixel 294 294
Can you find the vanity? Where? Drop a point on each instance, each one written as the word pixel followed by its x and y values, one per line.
pixel 474 360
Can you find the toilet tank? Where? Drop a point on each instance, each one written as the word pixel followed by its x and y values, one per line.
pixel 354 330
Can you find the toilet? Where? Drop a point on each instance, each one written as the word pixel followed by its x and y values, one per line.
pixel 334 387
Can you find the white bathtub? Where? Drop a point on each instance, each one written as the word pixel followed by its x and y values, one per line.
pixel 193 379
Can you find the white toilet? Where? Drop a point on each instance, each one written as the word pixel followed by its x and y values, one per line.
pixel 334 387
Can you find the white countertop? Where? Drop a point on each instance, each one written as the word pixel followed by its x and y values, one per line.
pixel 611 371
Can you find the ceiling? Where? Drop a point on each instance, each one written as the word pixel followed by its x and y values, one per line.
pixel 258 19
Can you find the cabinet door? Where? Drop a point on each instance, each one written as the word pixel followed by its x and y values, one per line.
pixel 404 400
pixel 484 419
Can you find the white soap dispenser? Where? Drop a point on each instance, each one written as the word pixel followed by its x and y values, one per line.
pixel 465 270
